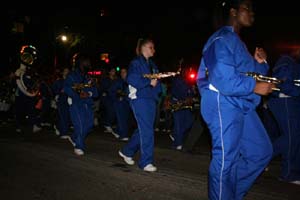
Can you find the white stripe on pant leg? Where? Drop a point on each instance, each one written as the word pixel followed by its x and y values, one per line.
pixel 289 132
pixel 222 143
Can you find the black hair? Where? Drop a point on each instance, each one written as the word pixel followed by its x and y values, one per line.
pixel 222 11
pixel 141 42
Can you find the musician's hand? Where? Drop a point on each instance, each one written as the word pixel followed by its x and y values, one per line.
pixel 260 55
pixel 263 88
pixel 84 95
pixel 153 82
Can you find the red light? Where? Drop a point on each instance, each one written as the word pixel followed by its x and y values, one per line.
pixel 106 60
pixel 95 73
pixel 192 75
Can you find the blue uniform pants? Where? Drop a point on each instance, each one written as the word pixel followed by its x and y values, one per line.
pixel 142 139
pixel 82 117
pixel 241 148
pixel 63 118
pixel 287 114
pixel 183 121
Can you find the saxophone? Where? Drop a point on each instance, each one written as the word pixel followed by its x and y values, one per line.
pixel 259 77
pixel 78 87
pixel 161 75
pixel 180 105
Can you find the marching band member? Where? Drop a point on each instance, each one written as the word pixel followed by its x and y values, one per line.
pixel 27 89
pixel 143 94
pixel 241 148
pixel 81 91
pixel 181 93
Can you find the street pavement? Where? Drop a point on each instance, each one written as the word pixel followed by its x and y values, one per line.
pixel 42 166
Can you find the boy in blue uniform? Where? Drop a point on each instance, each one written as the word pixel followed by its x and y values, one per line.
pixel 81 91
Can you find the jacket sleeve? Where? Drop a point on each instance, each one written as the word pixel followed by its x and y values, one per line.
pixel 135 77
pixel 68 88
pixel 222 70
pixel 283 70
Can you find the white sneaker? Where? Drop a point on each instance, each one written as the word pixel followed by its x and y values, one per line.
pixel 18 130
pixel 150 168
pixel 78 152
pixel 114 134
pixel 128 160
pixel 295 182
pixel 107 129
pixel 124 139
pixel 36 128
pixel 96 122
pixel 71 141
pixel 179 147
pixel 156 129
pixel 64 137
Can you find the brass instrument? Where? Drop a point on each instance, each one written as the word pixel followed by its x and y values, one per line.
pixel 161 75
pixel 78 87
pixel 180 105
pixel 259 77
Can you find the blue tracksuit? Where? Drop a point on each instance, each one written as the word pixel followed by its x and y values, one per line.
pixel 286 109
pixel 143 101
pixel 183 119
pixel 81 111
pixel 120 105
pixel 241 148
pixel 62 107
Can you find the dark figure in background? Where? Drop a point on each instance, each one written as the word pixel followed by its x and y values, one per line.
pixel 285 106
pixel 119 95
pixel 143 94
pixel 109 114
pixel 228 105
pixel 182 98
pixel 81 91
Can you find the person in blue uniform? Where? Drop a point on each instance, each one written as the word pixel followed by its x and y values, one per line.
pixel 241 148
pixel 143 95
pixel 285 106
pixel 63 113
pixel 182 93
pixel 81 102
pixel 119 93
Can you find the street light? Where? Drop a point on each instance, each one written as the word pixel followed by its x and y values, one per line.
pixel 64 38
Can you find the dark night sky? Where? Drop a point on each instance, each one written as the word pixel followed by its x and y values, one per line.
pixel 179 30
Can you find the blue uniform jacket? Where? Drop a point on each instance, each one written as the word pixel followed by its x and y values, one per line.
pixel 139 87
pixel 77 77
pixel 226 58
pixel 288 70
